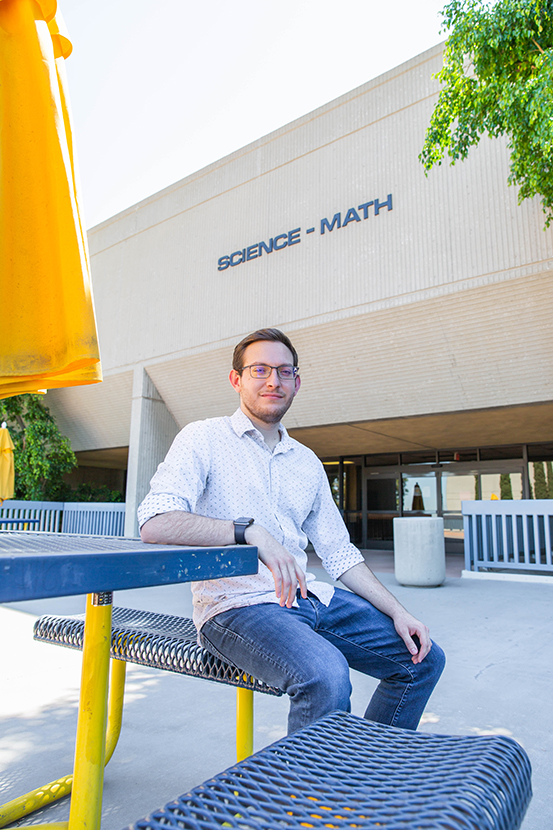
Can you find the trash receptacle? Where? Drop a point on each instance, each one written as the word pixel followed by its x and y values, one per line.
pixel 419 551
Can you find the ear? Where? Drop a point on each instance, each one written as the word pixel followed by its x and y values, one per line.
pixel 297 385
pixel 235 380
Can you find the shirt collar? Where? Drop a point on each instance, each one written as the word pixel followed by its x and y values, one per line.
pixel 241 425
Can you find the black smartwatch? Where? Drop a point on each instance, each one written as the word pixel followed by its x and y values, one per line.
pixel 240 526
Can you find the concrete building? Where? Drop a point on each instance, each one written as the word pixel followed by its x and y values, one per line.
pixel 421 308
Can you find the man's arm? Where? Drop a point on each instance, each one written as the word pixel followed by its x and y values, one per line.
pixel 361 580
pixel 181 528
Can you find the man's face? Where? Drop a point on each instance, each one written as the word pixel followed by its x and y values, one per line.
pixel 265 399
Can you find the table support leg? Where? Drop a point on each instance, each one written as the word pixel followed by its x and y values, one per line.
pixel 88 778
pixel 12 811
pixel 244 723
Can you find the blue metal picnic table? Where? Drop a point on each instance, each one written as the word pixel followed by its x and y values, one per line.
pixel 40 565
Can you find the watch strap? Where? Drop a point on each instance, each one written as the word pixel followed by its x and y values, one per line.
pixel 240 526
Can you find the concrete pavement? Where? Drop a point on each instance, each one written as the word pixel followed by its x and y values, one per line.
pixel 179 731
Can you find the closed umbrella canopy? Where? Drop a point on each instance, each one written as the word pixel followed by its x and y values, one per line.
pixel 6 464
pixel 48 332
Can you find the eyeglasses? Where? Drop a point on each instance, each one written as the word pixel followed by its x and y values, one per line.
pixel 260 370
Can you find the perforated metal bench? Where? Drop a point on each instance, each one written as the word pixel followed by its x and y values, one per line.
pixel 343 772
pixel 161 641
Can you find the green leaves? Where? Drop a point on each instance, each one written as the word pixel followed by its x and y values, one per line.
pixel 42 455
pixel 497 79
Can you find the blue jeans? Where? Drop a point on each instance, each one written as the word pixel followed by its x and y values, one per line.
pixel 308 651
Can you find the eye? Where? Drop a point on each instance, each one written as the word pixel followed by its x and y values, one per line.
pixel 286 372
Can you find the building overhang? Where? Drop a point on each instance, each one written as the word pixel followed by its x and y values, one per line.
pixel 526 424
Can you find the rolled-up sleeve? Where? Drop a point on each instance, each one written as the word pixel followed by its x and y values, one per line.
pixel 325 529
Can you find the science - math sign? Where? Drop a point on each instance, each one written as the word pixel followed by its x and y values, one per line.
pixel 294 237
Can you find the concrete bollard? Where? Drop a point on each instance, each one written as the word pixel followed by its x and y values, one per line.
pixel 419 551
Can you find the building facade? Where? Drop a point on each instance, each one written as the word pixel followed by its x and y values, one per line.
pixel 420 307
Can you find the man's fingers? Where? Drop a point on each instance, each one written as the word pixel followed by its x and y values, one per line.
pixel 410 628
pixel 410 643
pixel 285 570
pixel 426 644
pixel 293 584
pixel 302 582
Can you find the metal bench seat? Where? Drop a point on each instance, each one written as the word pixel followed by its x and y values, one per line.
pixel 161 641
pixel 343 771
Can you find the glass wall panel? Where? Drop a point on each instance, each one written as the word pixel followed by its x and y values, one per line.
pixel 419 493
pixel 541 479
pixel 456 489
pixel 383 493
pixel 332 470
pixel 450 456
pixel 540 452
pixel 350 486
pixel 501 486
pixel 421 457
pixel 382 460
pixel 497 453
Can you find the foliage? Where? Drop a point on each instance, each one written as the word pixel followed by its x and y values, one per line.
pixel 95 493
pixel 505 486
pixel 42 455
pixel 549 468
pixel 497 80
pixel 540 484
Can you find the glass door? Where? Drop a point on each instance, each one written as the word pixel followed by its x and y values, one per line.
pixel 381 503
pixel 419 493
pixel 484 481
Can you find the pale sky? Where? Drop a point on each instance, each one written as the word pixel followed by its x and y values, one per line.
pixel 160 90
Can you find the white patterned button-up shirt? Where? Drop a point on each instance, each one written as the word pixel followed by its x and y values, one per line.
pixel 222 468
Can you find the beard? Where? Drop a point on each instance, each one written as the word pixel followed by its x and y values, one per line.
pixel 270 414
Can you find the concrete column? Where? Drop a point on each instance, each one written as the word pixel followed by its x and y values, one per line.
pixel 153 429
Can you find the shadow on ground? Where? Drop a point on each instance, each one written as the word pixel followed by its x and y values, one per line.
pixel 178 731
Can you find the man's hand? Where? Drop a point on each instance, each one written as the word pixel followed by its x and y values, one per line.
pixel 181 528
pixel 286 572
pixel 408 627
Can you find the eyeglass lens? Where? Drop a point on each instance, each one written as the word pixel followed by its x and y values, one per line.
pixel 260 370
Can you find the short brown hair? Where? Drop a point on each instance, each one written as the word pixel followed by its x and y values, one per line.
pixel 262 334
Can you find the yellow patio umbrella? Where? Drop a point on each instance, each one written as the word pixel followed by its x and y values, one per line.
pixel 47 328
pixel 6 464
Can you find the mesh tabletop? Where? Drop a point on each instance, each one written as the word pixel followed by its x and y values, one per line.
pixel 343 772
pixel 161 641
pixel 42 543
pixel 35 565
pixel 39 542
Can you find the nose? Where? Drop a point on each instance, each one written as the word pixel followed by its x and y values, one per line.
pixel 273 379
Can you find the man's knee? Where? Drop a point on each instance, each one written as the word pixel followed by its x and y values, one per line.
pixel 434 663
pixel 327 682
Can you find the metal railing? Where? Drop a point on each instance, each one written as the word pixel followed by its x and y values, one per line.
pixel 510 536
pixel 48 513
pixel 98 518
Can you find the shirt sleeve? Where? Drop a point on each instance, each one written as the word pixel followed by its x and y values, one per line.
pixel 328 534
pixel 181 479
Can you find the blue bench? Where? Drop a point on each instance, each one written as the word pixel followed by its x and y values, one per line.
pixel 345 772
pixel 160 641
